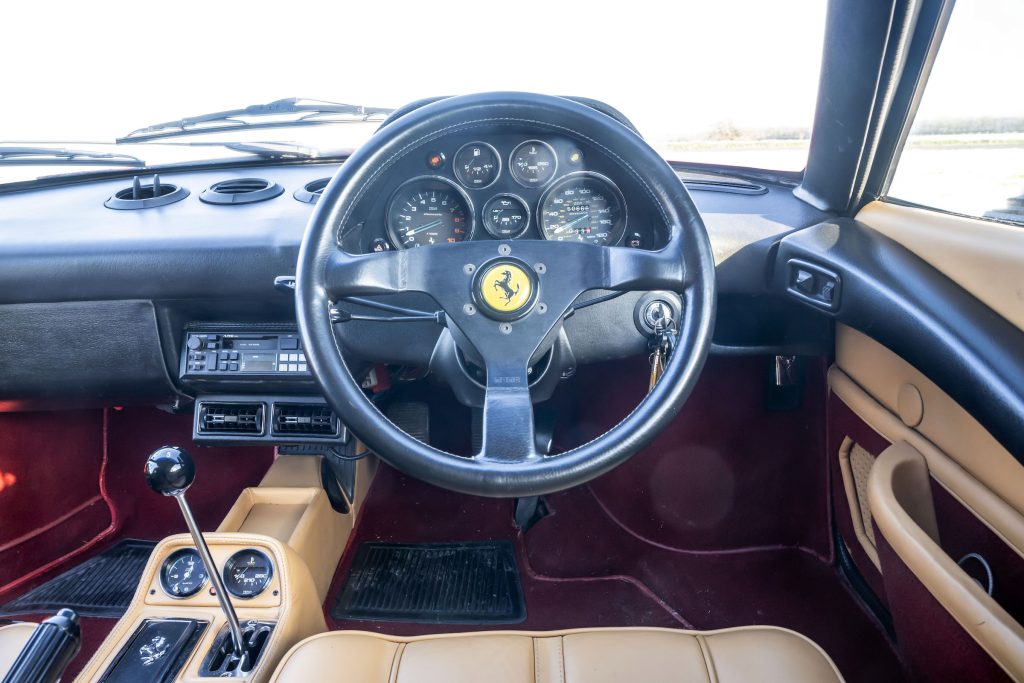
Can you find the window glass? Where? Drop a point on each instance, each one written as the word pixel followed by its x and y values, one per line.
pixel 965 151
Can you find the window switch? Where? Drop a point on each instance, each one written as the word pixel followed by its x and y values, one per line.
pixel 804 281
pixel 813 284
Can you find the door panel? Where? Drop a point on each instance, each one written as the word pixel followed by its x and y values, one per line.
pixel 984 257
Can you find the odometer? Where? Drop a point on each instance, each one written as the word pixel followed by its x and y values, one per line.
pixel 427 211
pixel 583 207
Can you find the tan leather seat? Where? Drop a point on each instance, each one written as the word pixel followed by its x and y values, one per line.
pixel 12 638
pixel 740 655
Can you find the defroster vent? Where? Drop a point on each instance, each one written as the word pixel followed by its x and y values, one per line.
pixel 231 418
pixel 295 419
pixel 240 191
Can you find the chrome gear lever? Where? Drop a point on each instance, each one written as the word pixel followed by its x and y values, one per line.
pixel 169 472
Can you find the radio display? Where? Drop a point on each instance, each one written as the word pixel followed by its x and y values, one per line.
pixel 258 362
pixel 251 344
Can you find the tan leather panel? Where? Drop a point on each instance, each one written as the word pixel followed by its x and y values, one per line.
pixel 652 655
pixel 301 517
pixel 302 471
pixel 296 608
pixel 12 639
pixel 655 656
pixel 497 659
pixel 961 455
pixel 983 257
pixel 900 497
pixel 767 656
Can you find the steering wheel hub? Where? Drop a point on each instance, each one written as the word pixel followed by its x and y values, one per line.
pixel 506 288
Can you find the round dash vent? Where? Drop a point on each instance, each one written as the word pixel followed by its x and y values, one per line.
pixel 140 196
pixel 240 191
pixel 311 191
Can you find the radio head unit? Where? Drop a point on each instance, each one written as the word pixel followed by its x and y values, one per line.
pixel 235 354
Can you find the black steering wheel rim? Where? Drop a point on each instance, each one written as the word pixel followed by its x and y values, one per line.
pixel 319 256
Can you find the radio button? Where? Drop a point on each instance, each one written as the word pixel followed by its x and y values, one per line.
pixel 303 367
pixel 233 366
pixel 288 343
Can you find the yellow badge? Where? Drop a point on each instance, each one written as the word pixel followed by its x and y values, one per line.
pixel 505 287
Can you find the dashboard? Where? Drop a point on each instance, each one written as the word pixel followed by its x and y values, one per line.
pixel 498 185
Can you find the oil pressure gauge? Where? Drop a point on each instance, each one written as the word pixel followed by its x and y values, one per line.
pixel 506 216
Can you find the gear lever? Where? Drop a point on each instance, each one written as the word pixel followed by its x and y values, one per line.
pixel 169 472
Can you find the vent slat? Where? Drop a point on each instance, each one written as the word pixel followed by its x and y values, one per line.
pixel 240 191
pixel 304 420
pixel 231 418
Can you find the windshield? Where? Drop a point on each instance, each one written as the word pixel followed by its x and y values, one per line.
pixel 726 83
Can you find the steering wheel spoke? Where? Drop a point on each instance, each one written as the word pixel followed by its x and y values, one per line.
pixel 508 426
pixel 635 269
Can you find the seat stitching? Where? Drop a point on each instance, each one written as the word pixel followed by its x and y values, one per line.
pixel 536 661
pixel 396 661
pixel 561 660
pixel 709 662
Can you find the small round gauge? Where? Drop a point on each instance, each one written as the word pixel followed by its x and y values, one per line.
pixel 477 165
pixel 247 573
pixel 506 216
pixel 183 573
pixel 583 207
pixel 533 163
pixel 429 210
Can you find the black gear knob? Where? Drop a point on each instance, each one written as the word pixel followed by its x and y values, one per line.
pixel 170 470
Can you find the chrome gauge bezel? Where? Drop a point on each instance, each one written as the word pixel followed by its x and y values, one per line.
pixel 270 573
pixel 169 561
pixel 512 166
pixel 522 202
pixel 396 242
pixel 620 230
pixel 458 174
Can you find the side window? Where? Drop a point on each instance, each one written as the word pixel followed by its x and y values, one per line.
pixel 965 151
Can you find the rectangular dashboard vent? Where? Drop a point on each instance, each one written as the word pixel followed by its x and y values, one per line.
pixel 231 418
pixel 304 419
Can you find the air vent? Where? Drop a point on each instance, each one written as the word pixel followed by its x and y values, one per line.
pixel 304 419
pixel 311 191
pixel 240 191
pixel 231 418
pixel 140 196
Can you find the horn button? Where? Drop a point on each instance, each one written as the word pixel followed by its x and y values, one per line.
pixel 505 289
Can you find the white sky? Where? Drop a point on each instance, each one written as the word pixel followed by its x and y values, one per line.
pixel 79 70
pixel 96 70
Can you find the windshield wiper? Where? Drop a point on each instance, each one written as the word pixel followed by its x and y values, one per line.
pixel 12 155
pixel 303 112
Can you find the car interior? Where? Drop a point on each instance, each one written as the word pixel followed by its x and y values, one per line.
pixel 503 395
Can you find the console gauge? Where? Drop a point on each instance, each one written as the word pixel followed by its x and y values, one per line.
pixel 583 207
pixel 477 165
pixel 533 163
pixel 429 210
pixel 183 573
pixel 247 573
pixel 506 216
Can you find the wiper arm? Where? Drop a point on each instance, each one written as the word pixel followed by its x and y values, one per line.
pixel 303 112
pixel 13 155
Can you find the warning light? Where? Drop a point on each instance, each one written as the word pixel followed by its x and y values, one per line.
pixel 575 157
pixel 435 160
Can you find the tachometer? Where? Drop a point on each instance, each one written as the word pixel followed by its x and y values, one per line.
pixel 583 207
pixel 533 163
pixel 183 573
pixel 247 573
pixel 429 210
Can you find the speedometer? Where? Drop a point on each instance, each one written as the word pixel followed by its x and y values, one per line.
pixel 429 210
pixel 583 207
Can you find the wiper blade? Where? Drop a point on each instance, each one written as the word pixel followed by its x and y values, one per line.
pixel 13 155
pixel 303 112
pixel 273 150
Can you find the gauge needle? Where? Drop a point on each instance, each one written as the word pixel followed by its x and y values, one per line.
pixel 572 223
pixel 428 226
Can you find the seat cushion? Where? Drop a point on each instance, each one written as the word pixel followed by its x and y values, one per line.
pixel 740 655
pixel 12 639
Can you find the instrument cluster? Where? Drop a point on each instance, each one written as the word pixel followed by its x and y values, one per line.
pixel 502 186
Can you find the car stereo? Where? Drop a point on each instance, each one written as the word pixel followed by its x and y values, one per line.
pixel 277 354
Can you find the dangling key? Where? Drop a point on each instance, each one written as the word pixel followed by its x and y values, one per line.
pixel 660 345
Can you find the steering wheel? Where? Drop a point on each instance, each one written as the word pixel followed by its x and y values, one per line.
pixel 546 278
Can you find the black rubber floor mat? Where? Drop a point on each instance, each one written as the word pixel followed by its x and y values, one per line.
pixel 102 586
pixel 449 583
